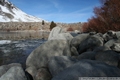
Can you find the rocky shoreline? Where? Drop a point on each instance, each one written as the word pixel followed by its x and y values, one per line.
pixel 67 57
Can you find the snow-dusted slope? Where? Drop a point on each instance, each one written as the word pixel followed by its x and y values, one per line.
pixel 8 12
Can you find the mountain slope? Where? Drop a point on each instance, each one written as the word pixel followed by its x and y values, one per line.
pixel 9 12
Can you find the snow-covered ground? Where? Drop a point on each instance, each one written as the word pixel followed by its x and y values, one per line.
pixel 5 41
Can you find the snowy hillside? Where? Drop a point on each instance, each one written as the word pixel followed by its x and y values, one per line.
pixel 8 12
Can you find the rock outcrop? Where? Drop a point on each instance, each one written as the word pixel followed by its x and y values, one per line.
pixel 12 71
pixel 59 33
pixel 87 68
pixel 84 55
pixel 57 64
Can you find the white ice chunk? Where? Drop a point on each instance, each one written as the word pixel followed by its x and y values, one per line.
pixel 5 41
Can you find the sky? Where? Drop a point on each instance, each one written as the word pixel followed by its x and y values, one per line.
pixel 64 11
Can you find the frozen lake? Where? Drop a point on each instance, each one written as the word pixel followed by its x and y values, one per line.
pixel 16 50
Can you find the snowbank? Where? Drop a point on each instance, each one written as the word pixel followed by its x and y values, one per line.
pixel 5 41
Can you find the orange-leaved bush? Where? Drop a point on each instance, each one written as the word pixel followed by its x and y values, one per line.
pixel 107 17
pixel 70 29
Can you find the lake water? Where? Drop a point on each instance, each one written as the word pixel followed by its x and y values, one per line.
pixel 16 46
pixel 23 35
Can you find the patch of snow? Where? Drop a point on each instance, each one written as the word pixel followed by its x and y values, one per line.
pixel 6 51
pixel 6 0
pixel 20 45
pixel 1 19
pixel 4 9
pixel 5 41
pixel 15 42
pixel 20 15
